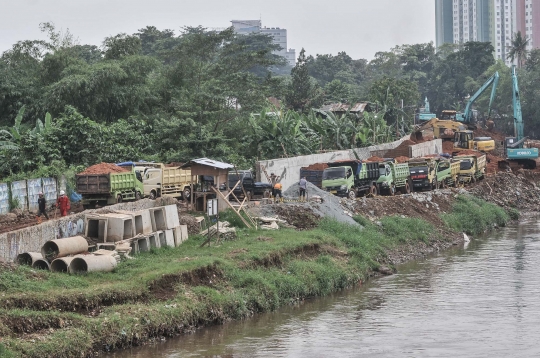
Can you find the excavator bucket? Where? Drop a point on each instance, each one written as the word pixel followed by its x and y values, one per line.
pixel 417 136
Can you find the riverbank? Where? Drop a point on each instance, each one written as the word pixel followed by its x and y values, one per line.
pixel 172 291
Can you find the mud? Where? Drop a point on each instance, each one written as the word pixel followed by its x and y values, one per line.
pixel 104 168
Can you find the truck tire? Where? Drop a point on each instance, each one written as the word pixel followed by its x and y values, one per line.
pixel 186 194
pixel 138 195
pixel 406 189
pixel 473 179
pixel 443 184
pixel 392 190
pixel 119 198
pixel 152 195
pixel 373 190
pixel 352 194
pixel 248 196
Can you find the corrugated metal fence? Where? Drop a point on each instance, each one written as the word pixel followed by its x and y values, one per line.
pixel 26 193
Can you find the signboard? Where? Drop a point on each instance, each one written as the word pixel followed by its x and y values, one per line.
pixel 212 206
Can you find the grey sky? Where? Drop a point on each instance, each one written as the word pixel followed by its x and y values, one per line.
pixel 358 27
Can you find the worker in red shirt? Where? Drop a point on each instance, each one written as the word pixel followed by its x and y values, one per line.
pixel 63 203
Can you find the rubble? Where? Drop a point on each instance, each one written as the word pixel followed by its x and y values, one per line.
pixel 224 228
pixel 508 190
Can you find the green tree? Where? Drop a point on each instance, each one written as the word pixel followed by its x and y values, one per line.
pixel 303 93
pixel 518 49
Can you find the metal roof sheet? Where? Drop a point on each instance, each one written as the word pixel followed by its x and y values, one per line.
pixel 209 162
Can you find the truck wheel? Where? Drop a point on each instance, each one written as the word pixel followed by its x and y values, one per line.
pixel 373 190
pixel 392 190
pixel 137 195
pixel 352 194
pixel 186 194
pixel 248 196
pixel 473 179
pixel 153 195
pixel 443 184
pixel 119 198
pixel 406 189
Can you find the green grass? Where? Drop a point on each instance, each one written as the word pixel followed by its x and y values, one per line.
pixel 474 216
pixel 259 271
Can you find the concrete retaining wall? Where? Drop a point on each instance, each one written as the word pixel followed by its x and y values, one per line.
pixel 32 238
pixel 289 168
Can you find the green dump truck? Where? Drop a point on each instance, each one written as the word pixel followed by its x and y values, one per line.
pixel 108 188
pixel 394 177
pixel 471 168
pixel 431 173
pixel 351 178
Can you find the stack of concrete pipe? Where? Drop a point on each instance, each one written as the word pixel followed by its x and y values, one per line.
pixel 67 255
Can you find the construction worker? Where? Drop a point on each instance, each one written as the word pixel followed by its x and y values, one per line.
pixel 63 203
pixel 41 206
pixel 303 187
pixel 273 180
pixel 277 191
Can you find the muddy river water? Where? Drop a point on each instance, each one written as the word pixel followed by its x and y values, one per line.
pixel 482 300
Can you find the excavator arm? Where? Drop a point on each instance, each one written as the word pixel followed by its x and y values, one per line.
pixel 466 117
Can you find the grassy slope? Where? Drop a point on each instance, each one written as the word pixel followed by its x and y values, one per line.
pixel 168 291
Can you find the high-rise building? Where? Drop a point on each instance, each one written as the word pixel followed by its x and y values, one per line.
pixel 279 36
pixel 495 21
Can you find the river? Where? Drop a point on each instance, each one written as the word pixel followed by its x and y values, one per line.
pixel 482 300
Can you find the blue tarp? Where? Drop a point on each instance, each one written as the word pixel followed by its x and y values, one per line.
pixel 75 197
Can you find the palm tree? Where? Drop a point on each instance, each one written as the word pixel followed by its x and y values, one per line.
pixel 518 49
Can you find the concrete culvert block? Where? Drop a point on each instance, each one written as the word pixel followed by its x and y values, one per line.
pixel 143 244
pixel 155 239
pixel 119 227
pixel 28 258
pixel 64 247
pixel 134 247
pixel 141 221
pixel 41 264
pixel 96 227
pixel 171 216
pixel 169 238
pixel 61 264
pixel 184 230
pixel 157 215
pixel 92 263
pixel 177 234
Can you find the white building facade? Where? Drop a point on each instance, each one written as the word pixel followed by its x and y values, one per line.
pixel 279 36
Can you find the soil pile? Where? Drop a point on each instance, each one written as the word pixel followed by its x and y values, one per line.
pixel 471 152
pixel 497 136
pixel 510 190
pixel 447 146
pixel 104 168
pixel 300 216
pixel 402 159
pixel 492 165
pixel 318 166
pixel 185 219
pixel 374 159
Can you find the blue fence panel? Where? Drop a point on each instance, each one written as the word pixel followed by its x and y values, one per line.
pixel 34 188
pixel 4 199
pixel 19 193
pixel 49 190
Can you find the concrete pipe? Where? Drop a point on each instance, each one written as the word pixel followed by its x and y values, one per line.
pixel 61 264
pixel 92 263
pixel 64 247
pixel 28 258
pixel 41 264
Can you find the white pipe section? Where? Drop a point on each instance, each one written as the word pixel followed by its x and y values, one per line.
pixel 61 264
pixel 92 263
pixel 28 258
pixel 41 264
pixel 64 247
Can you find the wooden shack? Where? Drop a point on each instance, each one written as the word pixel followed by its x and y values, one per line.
pixel 204 168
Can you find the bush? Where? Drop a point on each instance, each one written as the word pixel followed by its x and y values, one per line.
pixel 474 216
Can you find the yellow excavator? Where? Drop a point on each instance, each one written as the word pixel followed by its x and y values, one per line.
pixel 457 127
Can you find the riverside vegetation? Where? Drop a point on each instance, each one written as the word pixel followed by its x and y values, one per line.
pixel 174 290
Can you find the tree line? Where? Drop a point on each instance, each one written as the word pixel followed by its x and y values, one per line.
pixel 158 95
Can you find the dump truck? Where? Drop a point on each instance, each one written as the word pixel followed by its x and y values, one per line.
pixel 351 178
pixel 394 177
pixel 108 188
pixel 314 176
pixel 430 173
pixel 471 168
pixel 160 180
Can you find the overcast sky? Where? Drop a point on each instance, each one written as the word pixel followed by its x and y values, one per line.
pixel 358 27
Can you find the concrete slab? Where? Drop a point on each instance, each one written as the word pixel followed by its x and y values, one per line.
pixel 169 238
pixel 177 233
pixel 171 216
pixel 184 231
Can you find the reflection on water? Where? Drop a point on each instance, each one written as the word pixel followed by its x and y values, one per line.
pixel 482 301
